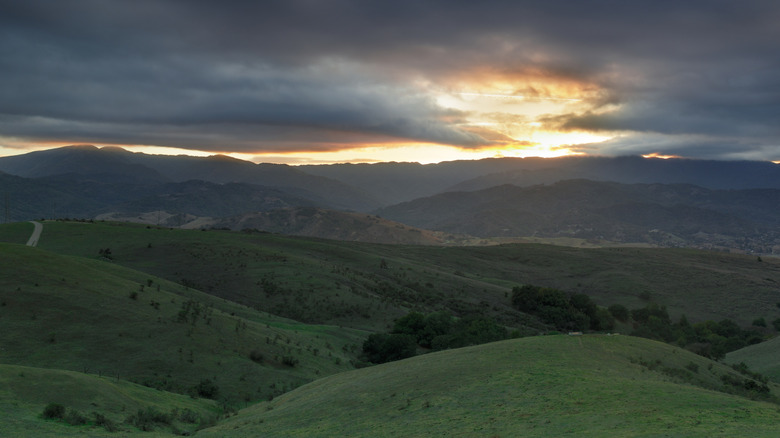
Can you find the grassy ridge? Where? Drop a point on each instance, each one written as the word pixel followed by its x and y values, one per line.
pixel 25 391
pixel 142 316
pixel 763 358
pixel 96 317
pixel 541 386
pixel 343 283
pixel 17 232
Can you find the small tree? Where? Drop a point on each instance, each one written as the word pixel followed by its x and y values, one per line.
pixel 54 410
pixel 207 389
pixel 383 347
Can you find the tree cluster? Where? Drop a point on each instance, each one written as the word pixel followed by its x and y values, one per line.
pixel 563 311
pixel 709 338
pixel 435 331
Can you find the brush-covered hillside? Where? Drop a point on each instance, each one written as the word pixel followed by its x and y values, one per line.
pixel 367 286
pixel 95 317
pixel 763 358
pixel 93 406
pixel 233 319
pixel 541 386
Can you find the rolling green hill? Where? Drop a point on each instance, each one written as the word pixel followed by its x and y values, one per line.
pixel 26 391
pixel 763 358
pixel 540 386
pixel 92 316
pixel 345 283
pixel 189 311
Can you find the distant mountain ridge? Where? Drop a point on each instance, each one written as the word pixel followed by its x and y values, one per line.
pixel 679 202
pixel 365 187
pixel 112 164
pixel 400 182
pixel 667 215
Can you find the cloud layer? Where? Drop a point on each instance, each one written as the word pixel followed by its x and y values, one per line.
pixel 700 79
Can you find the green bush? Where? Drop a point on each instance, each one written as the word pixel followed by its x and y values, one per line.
pixel 290 361
pixel 207 389
pixel 74 418
pixel 147 419
pixel 102 420
pixel 256 356
pixel 189 416
pixel 384 347
pixel 54 410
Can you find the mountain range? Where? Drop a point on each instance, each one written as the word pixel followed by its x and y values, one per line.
pixel 675 202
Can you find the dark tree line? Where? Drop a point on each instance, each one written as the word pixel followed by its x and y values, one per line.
pixel 578 312
pixel 435 331
pixel 563 311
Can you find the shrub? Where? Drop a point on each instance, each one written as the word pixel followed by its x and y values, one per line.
pixel 147 419
pixel 74 418
pixel 256 356
pixel 102 420
pixel 189 416
pixel 207 389
pixel 290 361
pixel 383 347
pixel 54 410
pixel 759 322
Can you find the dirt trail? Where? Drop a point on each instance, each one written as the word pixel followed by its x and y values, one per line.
pixel 36 234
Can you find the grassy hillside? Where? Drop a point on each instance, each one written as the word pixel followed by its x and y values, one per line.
pixel 345 283
pixel 763 358
pixel 542 386
pixel 95 317
pixel 17 232
pixel 26 391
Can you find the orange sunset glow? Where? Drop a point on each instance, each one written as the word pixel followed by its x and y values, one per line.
pixel 426 82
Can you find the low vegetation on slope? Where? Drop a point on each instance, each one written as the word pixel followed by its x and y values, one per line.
pixel 763 358
pixel 53 403
pixel 540 386
pixel 368 286
pixel 95 317
pixel 192 312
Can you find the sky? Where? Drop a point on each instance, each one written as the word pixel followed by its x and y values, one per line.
pixel 308 81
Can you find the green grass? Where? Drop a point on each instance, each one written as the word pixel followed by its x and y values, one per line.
pixel 541 386
pixel 763 358
pixel 174 307
pixel 342 283
pixel 26 391
pixel 17 232
pixel 92 316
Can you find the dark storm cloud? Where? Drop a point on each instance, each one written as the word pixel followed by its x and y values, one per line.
pixel 238 75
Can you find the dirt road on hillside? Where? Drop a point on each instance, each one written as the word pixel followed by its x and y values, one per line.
pixel 36 234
